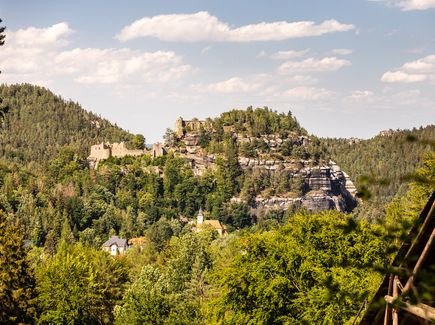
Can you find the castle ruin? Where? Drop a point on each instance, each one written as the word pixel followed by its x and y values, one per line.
pixel 158 150
pixel 106 150
pixel 189 126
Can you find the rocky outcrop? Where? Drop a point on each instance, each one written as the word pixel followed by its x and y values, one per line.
pixel 313 185
pixel 326 188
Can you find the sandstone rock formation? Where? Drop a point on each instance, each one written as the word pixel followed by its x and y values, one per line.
pixel 324 185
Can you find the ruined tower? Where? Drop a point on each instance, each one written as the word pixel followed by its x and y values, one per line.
pixel 179 127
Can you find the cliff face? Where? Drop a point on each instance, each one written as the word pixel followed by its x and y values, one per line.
pixel 326 188
pixel 322 185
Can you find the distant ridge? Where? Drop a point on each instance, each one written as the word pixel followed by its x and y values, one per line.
pixel 39 123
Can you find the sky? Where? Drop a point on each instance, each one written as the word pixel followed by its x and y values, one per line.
pixel 344 68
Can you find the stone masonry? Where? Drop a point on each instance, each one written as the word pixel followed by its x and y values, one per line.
pixel 106 150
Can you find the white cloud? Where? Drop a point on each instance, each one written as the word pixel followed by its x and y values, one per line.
pixel 303 94
pixel 230 86
pixel 268 88
pixel 285 55
pixel 402 77
pixel 301 80
pixel 34 54
pixel 107 66
pixel 202 26
pixel 32 37
pixel 414 71
pixel 423 65
pixel 313 65
pixel 409 5
pixel 342 51
pixel 360 96
pixel 27 50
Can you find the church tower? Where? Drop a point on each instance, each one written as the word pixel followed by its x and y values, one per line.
pixel 200 218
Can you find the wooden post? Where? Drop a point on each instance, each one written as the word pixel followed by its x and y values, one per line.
pixel 395 312
pixel 419 263
pixel 387 307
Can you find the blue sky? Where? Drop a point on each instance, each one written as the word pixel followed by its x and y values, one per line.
pixel 344 68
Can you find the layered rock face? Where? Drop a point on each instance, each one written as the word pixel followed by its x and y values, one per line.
pixel 326 188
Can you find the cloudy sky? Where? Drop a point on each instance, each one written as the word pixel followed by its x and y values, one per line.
pixel 344 68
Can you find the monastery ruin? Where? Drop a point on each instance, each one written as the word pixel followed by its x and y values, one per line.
pixel 106 150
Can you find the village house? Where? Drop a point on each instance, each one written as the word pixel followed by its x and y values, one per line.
pixel 115 246
pixel 202 224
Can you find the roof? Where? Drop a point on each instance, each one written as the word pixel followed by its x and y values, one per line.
pixel 120 242
pixel 411 248
pixel 216 224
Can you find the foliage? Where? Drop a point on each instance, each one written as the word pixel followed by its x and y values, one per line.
pixel 253 128
pixel 401 213
pixel 2 35
pixel 17 282
pixel 315 269
pixel 39 124
pixel 276 268
pixel 170 292
pixel 138 142
pixel 256 122
pixel 383 164
pixel 79 285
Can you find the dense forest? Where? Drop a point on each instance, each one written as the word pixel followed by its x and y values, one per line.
pixel 38 124
pixel 383 165
pixel 374 157
pixel 283 267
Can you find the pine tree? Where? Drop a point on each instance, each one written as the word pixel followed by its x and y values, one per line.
pixel 38 234
pixel 16 278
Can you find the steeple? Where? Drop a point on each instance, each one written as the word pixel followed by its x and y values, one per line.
pixel 200 218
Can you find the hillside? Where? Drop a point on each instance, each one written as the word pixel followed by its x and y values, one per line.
pixel 39 123
pixel 385 159
pixel 252 170
pixel 274 163
pixel 382 166
pixel 258 133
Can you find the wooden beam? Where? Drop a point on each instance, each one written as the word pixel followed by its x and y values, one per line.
pixel 394 311
pixel 387 306
pixel 420 261
pixel 420 310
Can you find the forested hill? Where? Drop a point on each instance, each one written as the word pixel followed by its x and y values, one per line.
pixel 384 161
pixel 39 123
